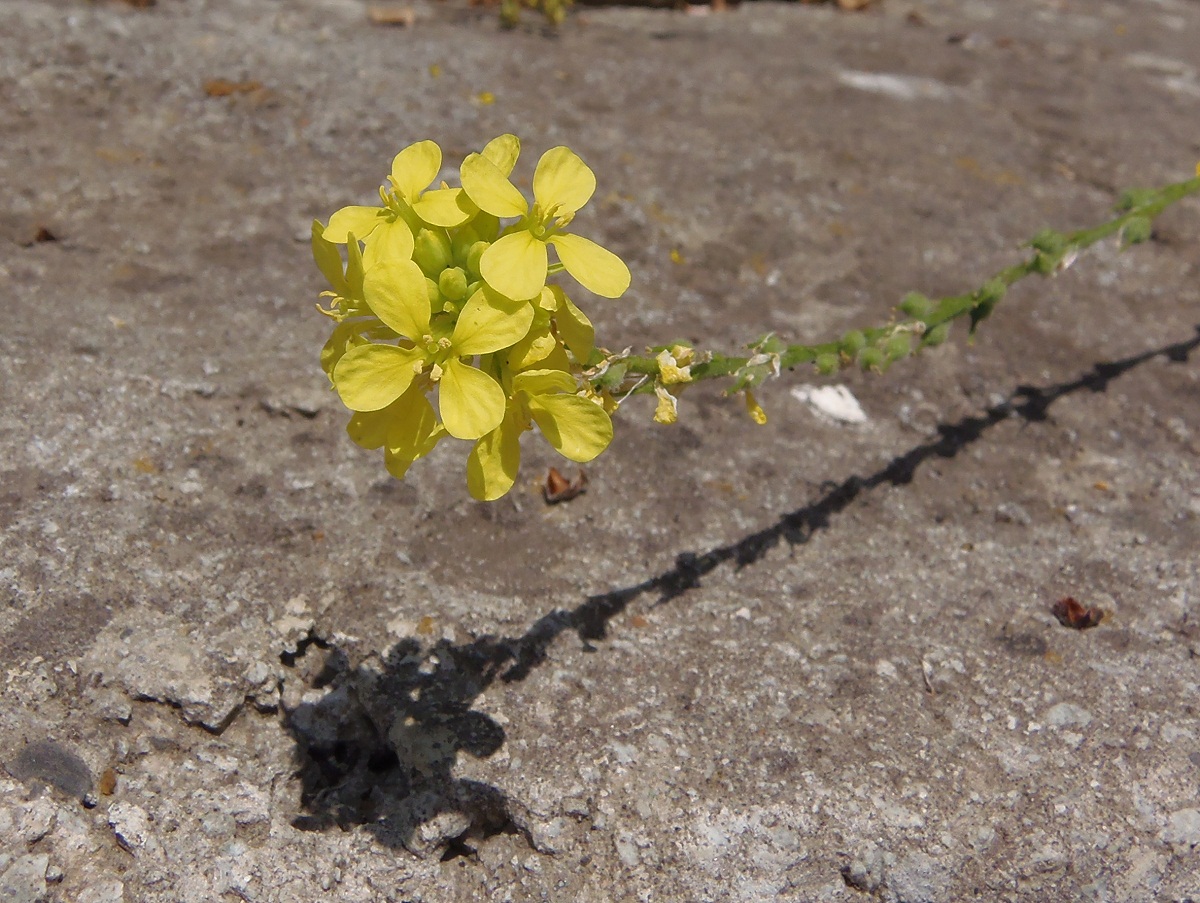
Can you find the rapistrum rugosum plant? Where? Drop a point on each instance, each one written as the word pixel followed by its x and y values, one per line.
pixel 447 323
pixel 438 296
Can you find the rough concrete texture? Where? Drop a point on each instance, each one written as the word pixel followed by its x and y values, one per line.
pixel 812 661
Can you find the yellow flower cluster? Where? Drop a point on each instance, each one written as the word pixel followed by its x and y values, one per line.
pixel 442 293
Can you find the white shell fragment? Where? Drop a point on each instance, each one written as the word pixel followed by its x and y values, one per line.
pixel 832 402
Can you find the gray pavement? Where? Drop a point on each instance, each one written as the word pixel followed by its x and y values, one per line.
pixel 811 661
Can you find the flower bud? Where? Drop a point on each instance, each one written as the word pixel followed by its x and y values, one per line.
pixel 432 252
pixel 474 254
pixel 435 295
pixel 453 284
pixel 461 242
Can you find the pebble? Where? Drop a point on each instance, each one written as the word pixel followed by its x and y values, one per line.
pixel 24 881
pixel 1066 714
pixel 1012 513
pixel 111 891
pixel 1183 828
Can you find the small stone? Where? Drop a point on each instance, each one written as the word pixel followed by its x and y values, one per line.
pixel 1012 513
pixel 109 891
pixel 865 873
pixel 1066 714
pixel 131 825
pixel 54 874
pixel 37 820
pixel 24 881
pixel 627 851
pixel 1183 828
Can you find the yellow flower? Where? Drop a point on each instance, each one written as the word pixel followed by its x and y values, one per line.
pixel 577 428
pixel 407 429
pixel 516 264
pixel 388 230
pixel 433 349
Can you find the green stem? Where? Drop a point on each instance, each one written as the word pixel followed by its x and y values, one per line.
pixel 926 321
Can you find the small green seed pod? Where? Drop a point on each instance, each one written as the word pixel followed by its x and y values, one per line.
pixel 916 305
pixel 937 335
pixel 871 359
pixel 853 342
pixel 826 363
pixel 898 347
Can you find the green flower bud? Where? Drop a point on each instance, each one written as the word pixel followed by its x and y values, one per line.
pixel 474 253
pixel 432 251
pixel 453 284
pixel 435 296
pixel 461 242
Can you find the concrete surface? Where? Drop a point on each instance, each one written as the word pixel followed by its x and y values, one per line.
pixel 812 661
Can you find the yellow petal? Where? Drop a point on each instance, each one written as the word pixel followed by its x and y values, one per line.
pixel 413 432
pixel 667 411
pixel 578 429
pixel 369 429
pixel 471 402
pixel 538 345
pixel 515 265
pixel 503 151
pixel 494 461
pixel 489 321
pixel 596 269
pixel 344 337
pixel 445 207
pixel 562 180
pixel 328 260
pixel 415 167
pixel 754 409
pixel 370 377
pixel 396 292
pixel 354 268
pixel 390 241
pixel 574 327
pixel 359 220
pixel 487 185
pixel 543 382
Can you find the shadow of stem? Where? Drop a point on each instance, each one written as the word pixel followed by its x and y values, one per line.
pixel 378 749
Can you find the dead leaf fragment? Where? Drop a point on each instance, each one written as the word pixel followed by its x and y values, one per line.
pixel 1074 614
pixel 403 16
pixel 223 87
pixel 108 782
pixel 558 488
